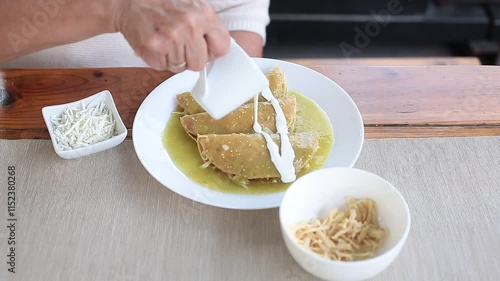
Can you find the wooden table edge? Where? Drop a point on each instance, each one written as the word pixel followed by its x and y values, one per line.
pixel 371 132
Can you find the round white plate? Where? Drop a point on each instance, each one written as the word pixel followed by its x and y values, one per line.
pixel 155 111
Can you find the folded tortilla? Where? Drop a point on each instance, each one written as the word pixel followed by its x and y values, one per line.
pixel 187 102
pixel 241 120
pixel 245 156
pixel 277 84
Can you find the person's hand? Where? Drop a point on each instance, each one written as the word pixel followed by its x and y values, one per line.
pixel 172 35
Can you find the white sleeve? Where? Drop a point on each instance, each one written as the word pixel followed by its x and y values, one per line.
pixel 244 15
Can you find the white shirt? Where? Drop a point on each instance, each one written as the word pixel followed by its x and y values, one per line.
pixel 112 50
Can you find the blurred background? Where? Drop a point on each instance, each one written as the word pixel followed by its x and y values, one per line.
pixel 357 30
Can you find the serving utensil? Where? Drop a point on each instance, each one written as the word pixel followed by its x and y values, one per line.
pixel 228 82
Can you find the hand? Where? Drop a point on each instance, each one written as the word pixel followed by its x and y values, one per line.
pixel 172 35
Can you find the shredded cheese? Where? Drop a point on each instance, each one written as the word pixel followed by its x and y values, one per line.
pixel 79 127
pixel 346 235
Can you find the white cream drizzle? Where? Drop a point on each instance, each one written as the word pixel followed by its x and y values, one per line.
pixel 284 161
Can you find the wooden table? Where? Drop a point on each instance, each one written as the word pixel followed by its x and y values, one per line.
pixel 396 101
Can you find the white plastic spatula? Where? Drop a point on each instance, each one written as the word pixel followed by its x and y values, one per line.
pixel 228 82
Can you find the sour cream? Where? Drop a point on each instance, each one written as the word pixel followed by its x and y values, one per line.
pixel 284 161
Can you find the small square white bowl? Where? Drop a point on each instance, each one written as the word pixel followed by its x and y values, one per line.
pixel 57 110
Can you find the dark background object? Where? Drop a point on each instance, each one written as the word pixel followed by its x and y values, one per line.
pixel 458 24
pixel 342 7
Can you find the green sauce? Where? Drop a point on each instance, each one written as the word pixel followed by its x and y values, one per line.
pixel 184 152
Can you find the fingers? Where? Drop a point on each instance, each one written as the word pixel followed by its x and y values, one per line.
pixel 175 35
pixel 208 44
pixel 176 58
pixel 197 54
pixel 217 43
pixel 151 53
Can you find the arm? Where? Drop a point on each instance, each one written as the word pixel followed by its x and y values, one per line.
pixel 251 42
pixel 31 25
pixel 167 34
pixel 246 20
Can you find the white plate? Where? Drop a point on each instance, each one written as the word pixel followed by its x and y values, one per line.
pixel 155 111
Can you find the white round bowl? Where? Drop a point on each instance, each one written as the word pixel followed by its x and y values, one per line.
pixel 316 193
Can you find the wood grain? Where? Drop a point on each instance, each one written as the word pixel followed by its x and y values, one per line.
pixel 422 96
pixel 31 90
pixel 440 100
pixel 385 61
pixel 386 132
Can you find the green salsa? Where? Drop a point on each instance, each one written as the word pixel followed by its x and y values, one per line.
pixel 184 152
